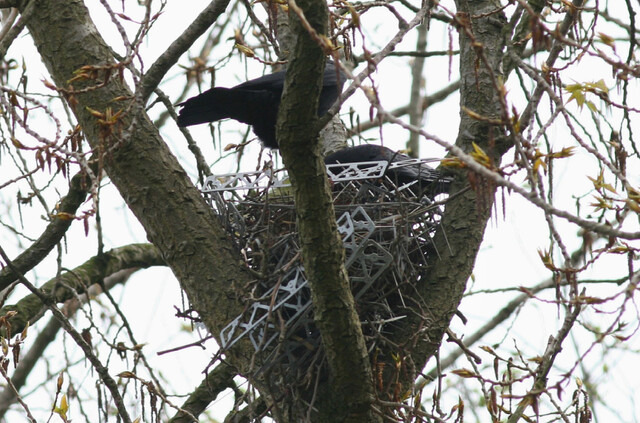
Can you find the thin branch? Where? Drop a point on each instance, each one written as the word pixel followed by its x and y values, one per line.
pixel 13 390
pixel 134 341
pixel 427 102
pixel 212 40
pixel 423 54
pixel 86 348
pixel 373 62
pixel 216 381
pixel 556 49
pixel 476 167
pixel 201 162
pixel 554 346
pixel 169 58
pixel 79 279
pixel 27 362
pixel 416 112
pixel 52 234
pixel 16 29
pixel 502 315
pixel 45 337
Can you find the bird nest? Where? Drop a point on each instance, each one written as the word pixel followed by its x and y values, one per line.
pixel 386 231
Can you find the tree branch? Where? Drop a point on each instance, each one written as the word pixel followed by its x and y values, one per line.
pixel 554 346
pixel 426 102
pixel 109 382
pixel 139 163
pixel 16 29
pixel 416 111
pixel 169 58
pixel 531 196
pixel 46 336
pixel 216 381
pixel 93 271
pixel 556 49
pixel 577 257
pixel 462 228
pixel 52 234
pixel 352 394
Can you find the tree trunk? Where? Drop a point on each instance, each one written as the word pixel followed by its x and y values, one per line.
pixel 346 393
pixel 156 188
pixel 182 226
pixel 466 215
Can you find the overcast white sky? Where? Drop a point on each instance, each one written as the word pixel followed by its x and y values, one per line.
pixel 508 257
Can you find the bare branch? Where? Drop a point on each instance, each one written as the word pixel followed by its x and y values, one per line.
pixel 52 235
pixel 201 162
pixel 14 390
pixel 17 28
pixel 427 102
pixel 556 49
pixel 79 279
pixel 373 61
pixel 421 54
pixel 198 27
pixel 46 336
pixel 216 381
pixel 503 314
pixel 86 348
pixel 416 111
pixel 531 196
pixel 546 362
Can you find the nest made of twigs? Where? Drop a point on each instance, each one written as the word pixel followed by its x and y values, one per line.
pixel 387 233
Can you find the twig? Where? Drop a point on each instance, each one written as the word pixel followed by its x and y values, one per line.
pixel 373 61
pixel 214 383
pixel 554 346
pixel 92 271
pixel 27 362
pixel 426 101
pixel 198 343
pixel 557 47
pixel 160 67
pixel 500 180
pixel 464 348
pixel 52 234
pixel 45 337
pixel 424 53
pixel 86 348
pixel 201 162
pixel 17 395
pixel 16 29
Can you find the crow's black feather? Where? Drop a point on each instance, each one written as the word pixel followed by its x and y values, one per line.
pixel 255 103
pixel 426 179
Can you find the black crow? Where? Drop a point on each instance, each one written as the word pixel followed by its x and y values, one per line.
pixel 428 179
pixel 255 103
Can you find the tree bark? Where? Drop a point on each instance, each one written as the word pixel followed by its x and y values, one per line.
pixel 51 236
pixel 348 394
pixel 466 215
pixel 183 227
pixel 65 286
pixel 155 187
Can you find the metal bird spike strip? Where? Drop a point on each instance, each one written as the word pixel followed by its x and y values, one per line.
pixel 386 232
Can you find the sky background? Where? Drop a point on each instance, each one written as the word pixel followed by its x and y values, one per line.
pixel 508 257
